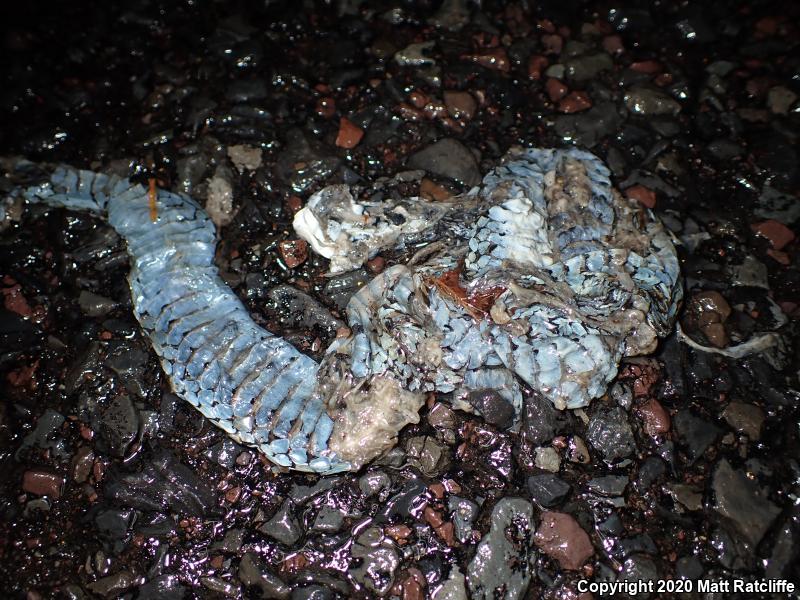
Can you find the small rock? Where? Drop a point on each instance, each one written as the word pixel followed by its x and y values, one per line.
pixel 464 513
pixel 555 89
pixel 610 433
pixel 562 539
pixel 42 483
pixel 293 252
pixel 745 418
pixel 349 134
pixel 608 485
pixel 427 454
pixel 113 585
pixel 641 194
pixel 648 101
pixel 687 495
pixel 504 561
pixel 743 502
pixel 536 64
pixel 430 190
pixel 776 232
pixel 695 432
pixel 780 99
pixel 547 459
pixel 587 66
pixel 575 102
pixel 577 451
pixel 495 409
pixel 81 465
pixel 414 55
pixel 94 305
pixel 452 589
pixel 707 311
pixel 639 568
pixel 282 526
pixel 254 573
pixel 656 418
pixel 163 484
pixel 495 59
pixel 547 490
pixel 219 203
pixel 245 157
pixel 448 158
pixel 460 105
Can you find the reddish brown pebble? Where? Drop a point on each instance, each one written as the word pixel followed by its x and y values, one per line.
pixel 562 539
pixel 460 105
pixel 409 113
pixel 452 486
pixel 349 134
pixel 648 67
pixel 613 44
pixel 435 110
pixel 418 99
pixel 326 107
pixel 343 332
pixel 398 533
pixel 15 302
pixel 217 561
pixel 446 532
pixel 641 194
pixel 431 190
pixel 575 102
pixel 495 59
pixel 555 89
pixel 656 418
pixel 376 265
pixel 776 232
pixel 779 256
pixel 432 517
pixel 536 64
pixel 232 495
pixel 437 489
pixel 552 44
pixel 42 483
pixel 294 203
pixel 293 252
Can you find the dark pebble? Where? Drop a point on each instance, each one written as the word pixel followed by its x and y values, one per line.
pixel 448 158
pixel 163 484
pixel 547 490
pixel 695 433
pixel 610 433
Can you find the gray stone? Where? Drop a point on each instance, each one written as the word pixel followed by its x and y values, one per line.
pixel 610 433
pixel 745 418
pixel 742 502
pixel 463 513
pixel 587 66
pixel 505 558
pixel 639 568
pixel 648 101
pixel 254 573
pixel 95 305
pixel 609 485
pixel 695 433
pixel 282 526
pixel 547 490
pixel 448 158
pixel 589 127
pixel 113 585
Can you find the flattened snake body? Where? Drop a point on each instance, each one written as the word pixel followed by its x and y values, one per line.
pixel 542 276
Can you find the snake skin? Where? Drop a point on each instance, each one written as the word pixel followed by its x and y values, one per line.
pixel 544 276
